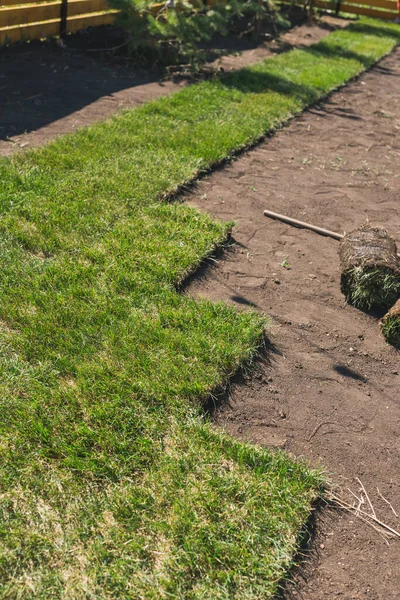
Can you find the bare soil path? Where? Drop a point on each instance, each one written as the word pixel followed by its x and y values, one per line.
pixel 47 91
pixel 331 392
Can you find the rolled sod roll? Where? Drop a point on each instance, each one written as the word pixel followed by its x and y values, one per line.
pixel 370 268
pixel 390 325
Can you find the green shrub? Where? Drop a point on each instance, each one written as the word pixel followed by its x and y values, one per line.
pixel 171 33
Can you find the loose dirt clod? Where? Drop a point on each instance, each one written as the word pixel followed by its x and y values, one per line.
pixel 390 325
pixel 370 267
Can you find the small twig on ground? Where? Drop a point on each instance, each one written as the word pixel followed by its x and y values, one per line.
pixel 356 510
pixel 346 506
pixel 387 502
pixel 109 49
pixel 378 529
pixel 360 501
pixel 367 497
pixel 317 427
pixel 33 97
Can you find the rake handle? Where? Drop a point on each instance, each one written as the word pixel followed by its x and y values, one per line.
pixel 303 225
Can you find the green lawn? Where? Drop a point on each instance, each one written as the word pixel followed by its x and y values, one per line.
pixel 112 485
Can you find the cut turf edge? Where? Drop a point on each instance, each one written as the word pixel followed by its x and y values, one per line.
pixel 195 516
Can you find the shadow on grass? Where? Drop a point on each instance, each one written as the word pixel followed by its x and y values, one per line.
pixel 381 31
pixel 325 50
pixel 258 82
pixel 329 50
pixel 253 81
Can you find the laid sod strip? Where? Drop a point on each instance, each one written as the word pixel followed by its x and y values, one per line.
pixel 370 268
pixel 390 325
pixel 111 485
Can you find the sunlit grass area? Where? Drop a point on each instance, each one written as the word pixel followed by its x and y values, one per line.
pixel 112 484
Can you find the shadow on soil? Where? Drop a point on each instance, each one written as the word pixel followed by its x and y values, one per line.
pixel 347 372
pixel 327 111
pixel 309 555
pixel 41 83
pixel 203 271
pixel 265 357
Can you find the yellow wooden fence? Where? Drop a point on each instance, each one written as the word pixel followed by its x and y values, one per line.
pixel 380 9
pixel 36 19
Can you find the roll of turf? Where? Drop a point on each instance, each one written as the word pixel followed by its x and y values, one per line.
pixel 370 268
pixel 390 325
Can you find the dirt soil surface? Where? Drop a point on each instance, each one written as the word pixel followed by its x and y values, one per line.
pixel 47 91
pixel 330 391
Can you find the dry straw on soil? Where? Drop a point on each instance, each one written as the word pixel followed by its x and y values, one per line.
pixel 370 268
